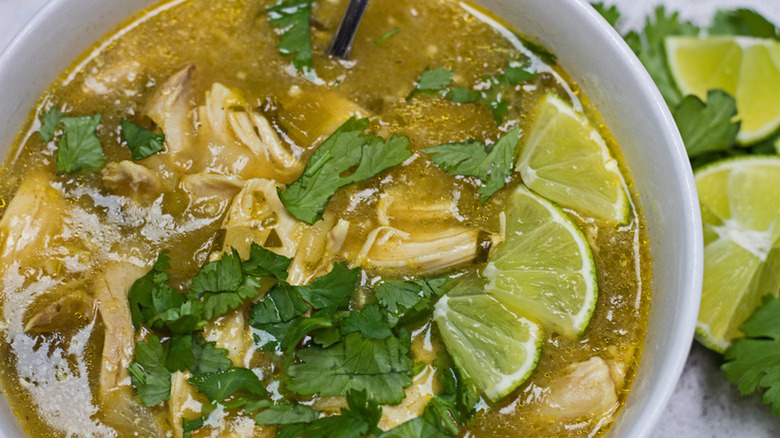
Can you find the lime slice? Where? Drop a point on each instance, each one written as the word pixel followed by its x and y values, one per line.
pixel 747 68
pixel 740 206
pixel 497 349
pixel 565 160
pixel 544 270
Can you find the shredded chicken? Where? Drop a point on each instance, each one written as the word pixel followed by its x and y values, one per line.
pixel 258 215
pixel 320 244
pixel 111 288
pixel 586 389
pixel 31 220
pixel 228 119
pixel 170 108
pixel 390 249
pixel 184 402
pixel 232 333
pixel 131 179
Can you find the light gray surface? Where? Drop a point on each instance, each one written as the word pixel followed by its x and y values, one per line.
pixel 704 405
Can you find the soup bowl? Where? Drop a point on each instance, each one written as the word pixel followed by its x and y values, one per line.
pixel 598 61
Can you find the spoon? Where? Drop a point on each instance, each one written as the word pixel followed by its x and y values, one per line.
pixel 342 41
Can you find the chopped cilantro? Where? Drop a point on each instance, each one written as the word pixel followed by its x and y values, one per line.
pixel 707 127
pixel 359 420
pixel 141 142
pixel 332 290
pixel 221 385
pixel 287 413
pixel 405 301
pixel 148 372
pixel 49 122
pixel 292 18
pixel 492 166
pixel 381 367
pixel 491 93
pixel 610 13
pixel 275 315
pixel 386 36
pixel 331 167
pixel 370 321
pixel 222 285
pixel 745 22
pixel 265 263
pixel 433 82
pixel 79 149
pixel 753 362
pixel 193 352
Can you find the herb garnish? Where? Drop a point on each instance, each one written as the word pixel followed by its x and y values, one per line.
pixel 79 149
pixel 386 36
pixel 490 93
pixel 753 362
pixel 141 142
pixel 49 121
pixel 492 165
pixel 344 158
pixel 292 18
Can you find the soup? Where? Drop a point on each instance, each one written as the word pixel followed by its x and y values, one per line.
pixel 126 311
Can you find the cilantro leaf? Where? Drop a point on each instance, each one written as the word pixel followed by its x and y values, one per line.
pixel 432 82
pixel 610 13
pixel 707 127
pixel 345 149
pixel 148 372
pixel 79 150
pixel 286 413
pixel 222 285
pixel 515 73
pixel 141 142
pixel 49 122
pixel 357 363
pixel 753 362
pixel 649 48
pixel 143 305
pixel 745 22
pixel 265 263
pixel 359 420
pixel 275 315
pixel 193 352
pixel 406 300
pixel 492 166
pixel 292 18
pixel 415 428
pixel 463 95
pixel 370 322
pixel 221 385
pixel 333 289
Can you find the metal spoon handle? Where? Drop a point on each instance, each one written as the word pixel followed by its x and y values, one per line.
pixel 342 41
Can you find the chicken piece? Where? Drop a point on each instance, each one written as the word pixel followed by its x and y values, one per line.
pixel 185 402
pixel 111 288
pixel 586 389
pixel 133 180
pixel 170 108
pixel 210 194
pixel 229 121
pixel 124 413
pixel 75 306
pixel 258 215
pixel 320 245
pixel 231 332
pixel 392 250
pixel 32 219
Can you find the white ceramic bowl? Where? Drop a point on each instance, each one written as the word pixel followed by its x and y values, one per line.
pixel 593 54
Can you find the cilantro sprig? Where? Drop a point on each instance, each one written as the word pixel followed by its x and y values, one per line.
pixel 753 362
pixel 347 156
pixel 491 92
pixel 79 149
pixel 492 165
pixel 141 142
pixel 292 18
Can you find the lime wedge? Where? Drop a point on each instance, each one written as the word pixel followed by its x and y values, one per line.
pixel 544 270
pixel 747 68
pixel 565 160
pixel 493 346
pixel 740 206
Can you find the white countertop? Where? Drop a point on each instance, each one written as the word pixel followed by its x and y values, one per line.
pixel 704 404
